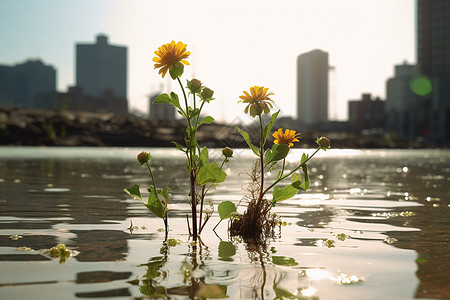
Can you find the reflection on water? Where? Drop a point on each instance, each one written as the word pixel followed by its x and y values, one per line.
pixel 374 225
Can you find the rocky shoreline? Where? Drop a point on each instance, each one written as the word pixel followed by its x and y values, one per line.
pixel 33 127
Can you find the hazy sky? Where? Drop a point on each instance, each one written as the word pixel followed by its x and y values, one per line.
pixel 235 44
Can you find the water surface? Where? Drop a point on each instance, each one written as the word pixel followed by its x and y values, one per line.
pixel 374 225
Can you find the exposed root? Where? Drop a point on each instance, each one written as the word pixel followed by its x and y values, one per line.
pixel 256 225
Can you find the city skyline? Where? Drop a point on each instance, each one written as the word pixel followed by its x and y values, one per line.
pixel 364 41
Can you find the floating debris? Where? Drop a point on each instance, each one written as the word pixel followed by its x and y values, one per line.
pixel 347 279
pixel 343 236
pixel 24 248
pixel 394 214
pixel 390 240
pixel 325 243
pixel 15 237
pixel 60 251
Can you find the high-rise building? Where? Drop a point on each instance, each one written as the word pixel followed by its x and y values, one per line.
pixel 405 110
pixel 102 68
pixel 366 115
pixel 22 84
pixel 433 54
pixel 161 111
pixel 312 88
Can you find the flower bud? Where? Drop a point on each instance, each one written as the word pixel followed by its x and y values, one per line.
pixel 227 152
pixel 195 86
pixel 143 157
pixel 207 93
pixel 323 143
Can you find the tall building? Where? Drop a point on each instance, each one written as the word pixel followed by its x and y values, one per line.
pixel 161 111
pixel 405 110
pixel 22 85
pixel 433 53
pixel 366 115
pixel 101 68
pixel 312 88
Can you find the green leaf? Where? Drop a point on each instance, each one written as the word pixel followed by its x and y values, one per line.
pixel 133 192
pixel 278 152
pixel 226 250
pixel 203 156
pixel 298 182
pixel 304 158
pixel 165 193
pixel 210 173
pixel 206 120
pixel 175 101
pixel 163 98
pixel 179 147
pixel 225 209
pixel 284 261
pixel 246 137
pixel 269 125
pixel 285 193
pixel 177 70
pixel 155 205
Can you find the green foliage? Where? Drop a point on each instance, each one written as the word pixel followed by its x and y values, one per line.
pixel 226 250
pixel 301 183
pixel 225 209
pixel 206 120
pixel 133 192
pixel 154 203
pixel 277 153
pixel 268 127
pixel 210 173
pixel 285 193
pixel 203 156
pixel 284 261
pixel 246 137
pixel 176 71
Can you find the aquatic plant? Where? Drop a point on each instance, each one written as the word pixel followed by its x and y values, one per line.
pixel 257 222
pixel 203 174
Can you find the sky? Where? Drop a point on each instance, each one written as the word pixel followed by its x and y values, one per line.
pixel 234 44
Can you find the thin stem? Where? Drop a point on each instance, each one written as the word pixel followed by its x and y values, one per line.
pixel 153 178
pixel 291 172
pixel 282 168
pixel 191 166
pixel 261 158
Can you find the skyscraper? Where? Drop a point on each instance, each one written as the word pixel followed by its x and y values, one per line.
pixel 21 84
pixel 101 68
pixel 433 53
pixel 312 88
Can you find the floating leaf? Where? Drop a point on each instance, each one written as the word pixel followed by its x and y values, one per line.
pixel 225 209
pixel 210 173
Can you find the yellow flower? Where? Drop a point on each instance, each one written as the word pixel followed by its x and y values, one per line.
pixel 169 56
pixel 258 100
pixel 288 137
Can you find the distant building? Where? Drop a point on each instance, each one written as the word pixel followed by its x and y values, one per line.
pixel 101 69
pixel 160 111
pixel 22 84
pixel 405 110
pixel 433 53
pixel 366 115
pixel 312 88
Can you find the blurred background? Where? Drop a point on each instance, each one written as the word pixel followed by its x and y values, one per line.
pixel 368 74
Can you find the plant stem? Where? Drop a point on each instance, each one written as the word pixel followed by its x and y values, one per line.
pixel 261 158
pixel 291 172
pixel 191 166
pixel 165 218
